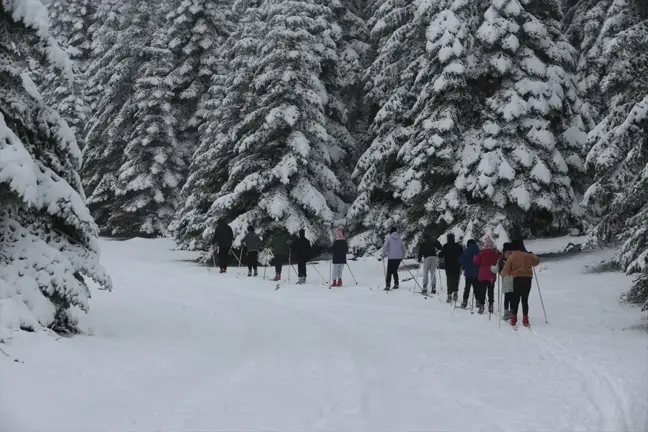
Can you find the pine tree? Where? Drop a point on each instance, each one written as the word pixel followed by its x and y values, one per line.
pixel 618 198
pixel 198 30
pixel 521 167
pixel 389 80
pixel 280 139
pixel 135 164
pixel 48 238
pixel 70 20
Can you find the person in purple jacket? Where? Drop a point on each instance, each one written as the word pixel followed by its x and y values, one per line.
pixel 394 250
pixel 470 269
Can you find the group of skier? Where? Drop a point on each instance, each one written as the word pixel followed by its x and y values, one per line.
pixel 480 266
pixel 284 248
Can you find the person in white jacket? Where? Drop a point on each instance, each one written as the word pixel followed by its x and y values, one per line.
pixel 394 250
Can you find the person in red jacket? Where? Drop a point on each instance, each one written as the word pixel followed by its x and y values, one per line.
pixel 486 258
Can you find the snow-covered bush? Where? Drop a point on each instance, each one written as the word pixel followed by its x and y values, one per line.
pixel 48 240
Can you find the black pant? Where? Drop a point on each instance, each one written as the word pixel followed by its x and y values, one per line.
pixel 223 256
pixel 301 268
pixel 508 299
pixel 521 291
pixel 471 281
pixel 480 292
pixel 252 260
pixel 278 263
pixel 392 270
pixel 453 281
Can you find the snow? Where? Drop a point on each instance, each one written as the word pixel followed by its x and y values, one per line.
pixel 179 347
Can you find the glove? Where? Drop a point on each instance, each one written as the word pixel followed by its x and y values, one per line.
pixel 494 269
pixel 420 260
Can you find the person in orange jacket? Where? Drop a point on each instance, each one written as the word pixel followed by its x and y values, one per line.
pixel 519 265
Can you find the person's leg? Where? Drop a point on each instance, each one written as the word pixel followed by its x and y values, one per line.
pixel 434 262
pixel 515 296
pixel 253 257
pixel 222 257
pixel 491 292
pixel 507 301
pixel 278 264
pixel 301 268
pixel 396 265
pixel 480 292
pixel 524 294
pixel 392 266
pixel 466 293
pixel 250 261
pixel 340 269
pixel 426 270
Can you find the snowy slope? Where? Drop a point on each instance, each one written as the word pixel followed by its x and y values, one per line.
pixel 176 347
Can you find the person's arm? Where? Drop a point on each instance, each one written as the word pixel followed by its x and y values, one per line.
pixel 420 253
pixel 437 244
pixel 442 252
pixel 534 260
pixel 478 259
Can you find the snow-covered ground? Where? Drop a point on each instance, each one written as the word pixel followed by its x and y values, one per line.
pixel 176 347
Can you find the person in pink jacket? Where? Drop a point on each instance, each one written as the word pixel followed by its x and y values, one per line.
pixel 486 258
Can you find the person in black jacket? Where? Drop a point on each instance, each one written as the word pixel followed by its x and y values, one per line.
pixel 428 255
pixel 224 237
pixel 302 248
pixel 450 253
pixel 339 251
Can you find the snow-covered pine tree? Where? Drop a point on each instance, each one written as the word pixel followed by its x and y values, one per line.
pixel 70 20
pixel 134 164
pixel 619 143
pixel 447 106
pixel 273 163
pixel 521 166
pixel 198 30
pixel 48 240
pixel 388 92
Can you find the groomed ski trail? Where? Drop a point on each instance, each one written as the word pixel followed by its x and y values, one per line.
pixel 176 347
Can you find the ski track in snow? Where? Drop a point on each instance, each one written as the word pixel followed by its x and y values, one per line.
pixel 176 347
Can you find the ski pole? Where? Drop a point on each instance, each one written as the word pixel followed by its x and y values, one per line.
pixel 499 301
pixel 540 292
pixel 352 275
pixel 318 272
pixel 330 272
pixel 384 271
pixel 417 272
pixel 289 264
pixel 417 284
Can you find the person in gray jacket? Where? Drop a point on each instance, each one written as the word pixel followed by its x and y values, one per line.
pixel 394 250
pixel 252 243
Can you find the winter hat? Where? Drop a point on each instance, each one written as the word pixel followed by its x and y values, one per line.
pixel 250 228
pixel 450 238
pixel 392 230
pixel 488 242
pixel 471 242
pixel 507 247
pixel 518 245
pixel 338 233
pixel 302 232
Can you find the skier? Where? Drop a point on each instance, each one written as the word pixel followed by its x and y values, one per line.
pixel 224 237
pixel 394 250
pixel 450 253
pixel 302 248
pixel 470 270
pixel 252 243
pixel 519 265
pixel 339 252
pixel 507 282
pixel 428 255
pixel 486 258
pixel 281 249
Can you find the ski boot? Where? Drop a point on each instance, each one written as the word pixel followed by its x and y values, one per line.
pixel 481 309
pixel 387 288
pixel 464 304
pixel 513 320
pixel 334 283
pixel 339 282
pixel 256 273
pixel 222 270
pixel 507 315
pixel 454 297
pixel 301 280
pixel 277 278
pixel 424 290
pixel 449 299
pixel 250 273
pixel 395 286
pixel 525 321
pixel 490 308
pixel 433 290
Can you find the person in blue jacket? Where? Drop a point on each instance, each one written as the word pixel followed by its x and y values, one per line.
pixel 470 269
